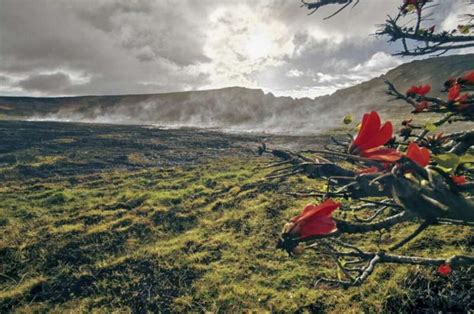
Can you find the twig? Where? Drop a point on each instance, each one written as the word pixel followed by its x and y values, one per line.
pixel 418 230
pixel 285 174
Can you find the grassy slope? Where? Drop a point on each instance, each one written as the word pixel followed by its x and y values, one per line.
pixel 190 236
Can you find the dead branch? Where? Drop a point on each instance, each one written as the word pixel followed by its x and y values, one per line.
pixel 418 230
pixel 381 257
pixel 387 223
pixel 314 6
pixel 431 42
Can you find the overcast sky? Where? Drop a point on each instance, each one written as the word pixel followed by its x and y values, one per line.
pixel 64 47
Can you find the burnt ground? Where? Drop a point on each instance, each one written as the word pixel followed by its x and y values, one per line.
pixel 87 148
pixel 78 148
pixel 102 218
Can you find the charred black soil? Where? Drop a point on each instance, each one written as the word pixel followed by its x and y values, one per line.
pixel 135 219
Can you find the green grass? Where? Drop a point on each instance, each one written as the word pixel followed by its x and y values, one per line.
pixel 191 238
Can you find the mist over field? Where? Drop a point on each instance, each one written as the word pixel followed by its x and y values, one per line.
pixel 237 109
pixel 231 110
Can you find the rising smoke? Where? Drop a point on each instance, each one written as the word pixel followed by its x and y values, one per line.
pixel 230 109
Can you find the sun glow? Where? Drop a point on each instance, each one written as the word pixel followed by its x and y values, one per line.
pixel 243 44
pixel 259 45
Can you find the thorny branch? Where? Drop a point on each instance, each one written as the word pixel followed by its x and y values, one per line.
pixel 415 39
pixel 426 197
pixel 314 6
pixel 430 42
pixel 373 258
pixel 392 180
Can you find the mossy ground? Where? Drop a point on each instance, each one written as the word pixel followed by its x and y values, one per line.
pixel 140 232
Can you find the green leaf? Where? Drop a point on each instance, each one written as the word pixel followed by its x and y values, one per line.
pixel 449 160
pixel 430 127
pixel 348 119
pixel 410 8
pixel 467 159
pixel 445 170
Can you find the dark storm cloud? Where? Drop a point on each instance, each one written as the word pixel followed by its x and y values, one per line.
pixel 46 82
pixel 67 47
pixel 120 49
pixel 149 30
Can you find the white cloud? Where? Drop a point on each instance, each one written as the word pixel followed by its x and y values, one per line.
pixel 379 63
pixel 294 73
pixel 322 78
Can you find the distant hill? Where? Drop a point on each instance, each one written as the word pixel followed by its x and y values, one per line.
pixel 242 109
pixel 370 95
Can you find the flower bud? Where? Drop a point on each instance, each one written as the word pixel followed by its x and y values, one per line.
pixel 298 250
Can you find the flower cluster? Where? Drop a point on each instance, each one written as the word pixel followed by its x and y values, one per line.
pixel 464 81
pixel 457 102
pixel 418 175
pixel 371 138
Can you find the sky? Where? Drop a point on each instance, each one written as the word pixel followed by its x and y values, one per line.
pixel 109 47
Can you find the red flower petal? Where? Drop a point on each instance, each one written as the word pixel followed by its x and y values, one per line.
pixel 379 138
pixel 315 220
pixel 454 92
pixel 469 77
pixel 458 179
pixel 420 155
pixel 322 225
pixel 424 90
pixel 463 98
pixel 444 269
pixel 370 125
pixel 412 90
pixel 371 134
pixel 368 170
pixel 389 155
pixel 323 209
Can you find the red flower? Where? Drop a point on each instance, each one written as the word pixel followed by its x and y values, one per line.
pixel 371 134
pixel 454 94
pixel 418 90
pixel 444 269
pixel 468 78
pixel 422 105
pixel 458 179
pixel 424 90
pixel 314 220
pixel 419 155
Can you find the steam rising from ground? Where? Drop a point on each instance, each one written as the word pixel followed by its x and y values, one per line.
pixel 230 109
pixel 238 109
